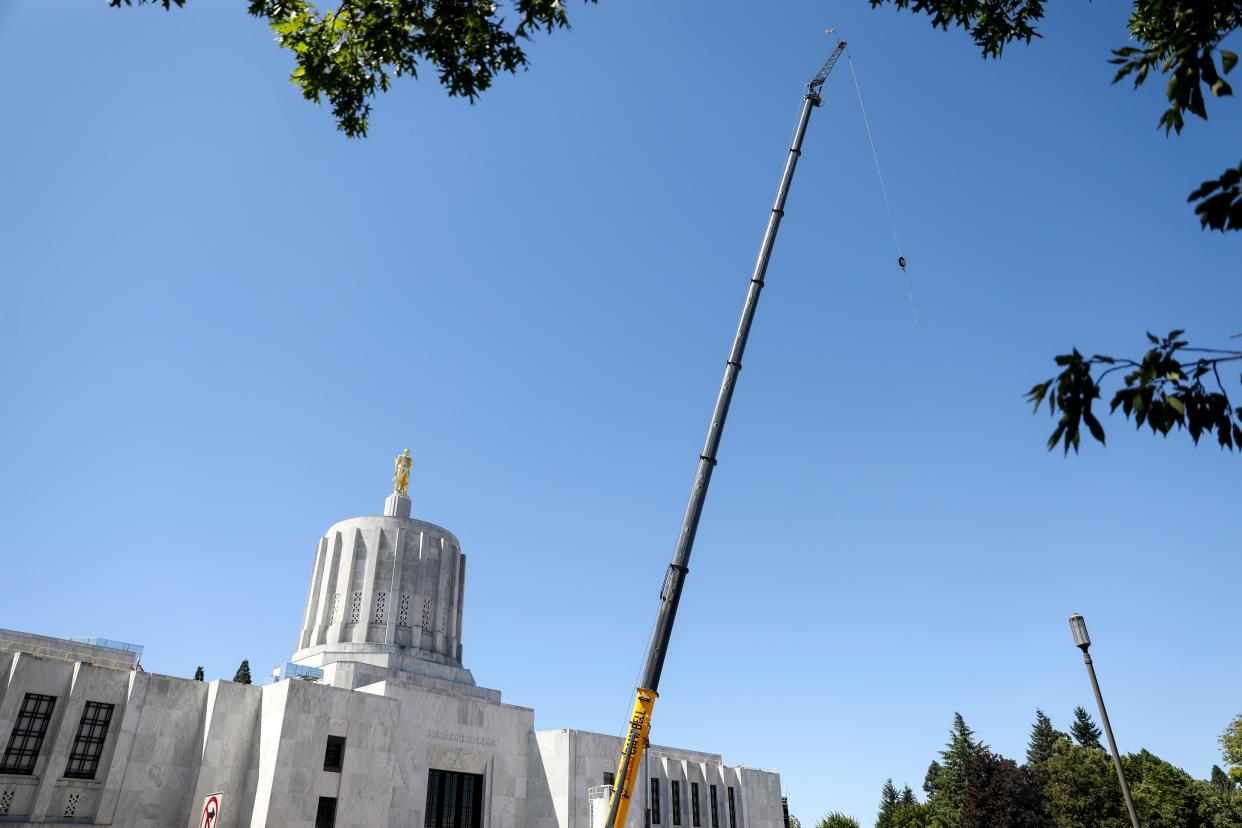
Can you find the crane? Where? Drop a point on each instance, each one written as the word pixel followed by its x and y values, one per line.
pixel 670 595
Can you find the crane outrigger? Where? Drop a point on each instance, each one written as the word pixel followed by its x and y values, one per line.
pixel 649 683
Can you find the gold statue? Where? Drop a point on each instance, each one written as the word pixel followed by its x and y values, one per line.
pixel 401 473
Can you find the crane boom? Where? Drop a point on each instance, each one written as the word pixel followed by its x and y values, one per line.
pixel 649 683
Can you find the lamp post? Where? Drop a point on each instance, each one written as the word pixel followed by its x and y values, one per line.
pixel 1083 641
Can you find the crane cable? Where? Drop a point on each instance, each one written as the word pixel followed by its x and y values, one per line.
pixel 888 207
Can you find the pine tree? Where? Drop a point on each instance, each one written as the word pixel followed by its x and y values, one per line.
pixel 243 672
pixel 931 780
pixel 888 806
pixel 1043 738
pixel 949 785
pixel 1221 782
pixel 198 673
pixel 907 798
pixel 1084 730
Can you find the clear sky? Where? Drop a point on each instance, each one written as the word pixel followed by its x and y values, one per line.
pixel 222 320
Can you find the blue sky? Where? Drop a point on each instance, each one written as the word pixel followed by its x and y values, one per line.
pixel 223 320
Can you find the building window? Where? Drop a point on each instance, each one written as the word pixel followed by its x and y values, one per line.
pixel 454 800
pixel 694 805
pixel 674 800
pixel 655 801
pixel 732 810
pixel 334 754
pixel 28 733
pixel 88 745
pixel 609 778
pixel 325 817
pixel 715 810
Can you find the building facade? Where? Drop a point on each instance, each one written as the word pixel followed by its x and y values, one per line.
pixel 373 722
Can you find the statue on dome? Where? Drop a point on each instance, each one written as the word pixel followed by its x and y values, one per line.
pixel 401 473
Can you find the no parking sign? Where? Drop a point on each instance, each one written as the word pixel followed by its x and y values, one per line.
pixel 211 811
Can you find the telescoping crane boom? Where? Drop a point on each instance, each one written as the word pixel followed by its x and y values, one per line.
pixel 670 595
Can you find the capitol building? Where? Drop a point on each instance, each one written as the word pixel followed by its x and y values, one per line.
pixel 375 721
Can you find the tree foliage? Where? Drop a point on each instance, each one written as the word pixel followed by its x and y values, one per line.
pixel 946 782
pixel 1167 389
pixel 889 803
pixel 1073 787
pixel 1084 729
pixel 1222 783
pixel 1231 748
pixel 1180 40
pixel 350 52
pixel 1081 788
pixel 1043 739
pixel 1002 794
pixel 1177 38
pixel 242 676
pixel 836 819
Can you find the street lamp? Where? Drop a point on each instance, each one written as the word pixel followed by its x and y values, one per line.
pixel 1083 642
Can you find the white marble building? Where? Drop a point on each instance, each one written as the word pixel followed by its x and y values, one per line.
pixel 375 722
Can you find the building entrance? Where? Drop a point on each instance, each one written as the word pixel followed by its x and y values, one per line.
pixel 454 800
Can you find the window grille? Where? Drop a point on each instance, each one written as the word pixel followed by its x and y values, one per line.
pixel 336 608
pixel 426 615
pixel 609 778
pixel 71 804
pixel 89 742
pixel 6 801
pixel 454 800
pixel 381 598
pixel 403 611
pixel 28 733
pixel 356 609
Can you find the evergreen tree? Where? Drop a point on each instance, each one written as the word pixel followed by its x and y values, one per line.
pixel 1084 729
pixel 1221 782
pixel 1043 738
pixel 931 779
pixel 243 672
pixel 949 785
pixel 888 806
pixel 910 812
pixel 198 673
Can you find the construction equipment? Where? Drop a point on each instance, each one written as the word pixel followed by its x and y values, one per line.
pixel 670 595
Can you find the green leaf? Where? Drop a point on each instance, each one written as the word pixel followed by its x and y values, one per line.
pixel 1097 431
pixel 1228 60
pixel 1056 436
